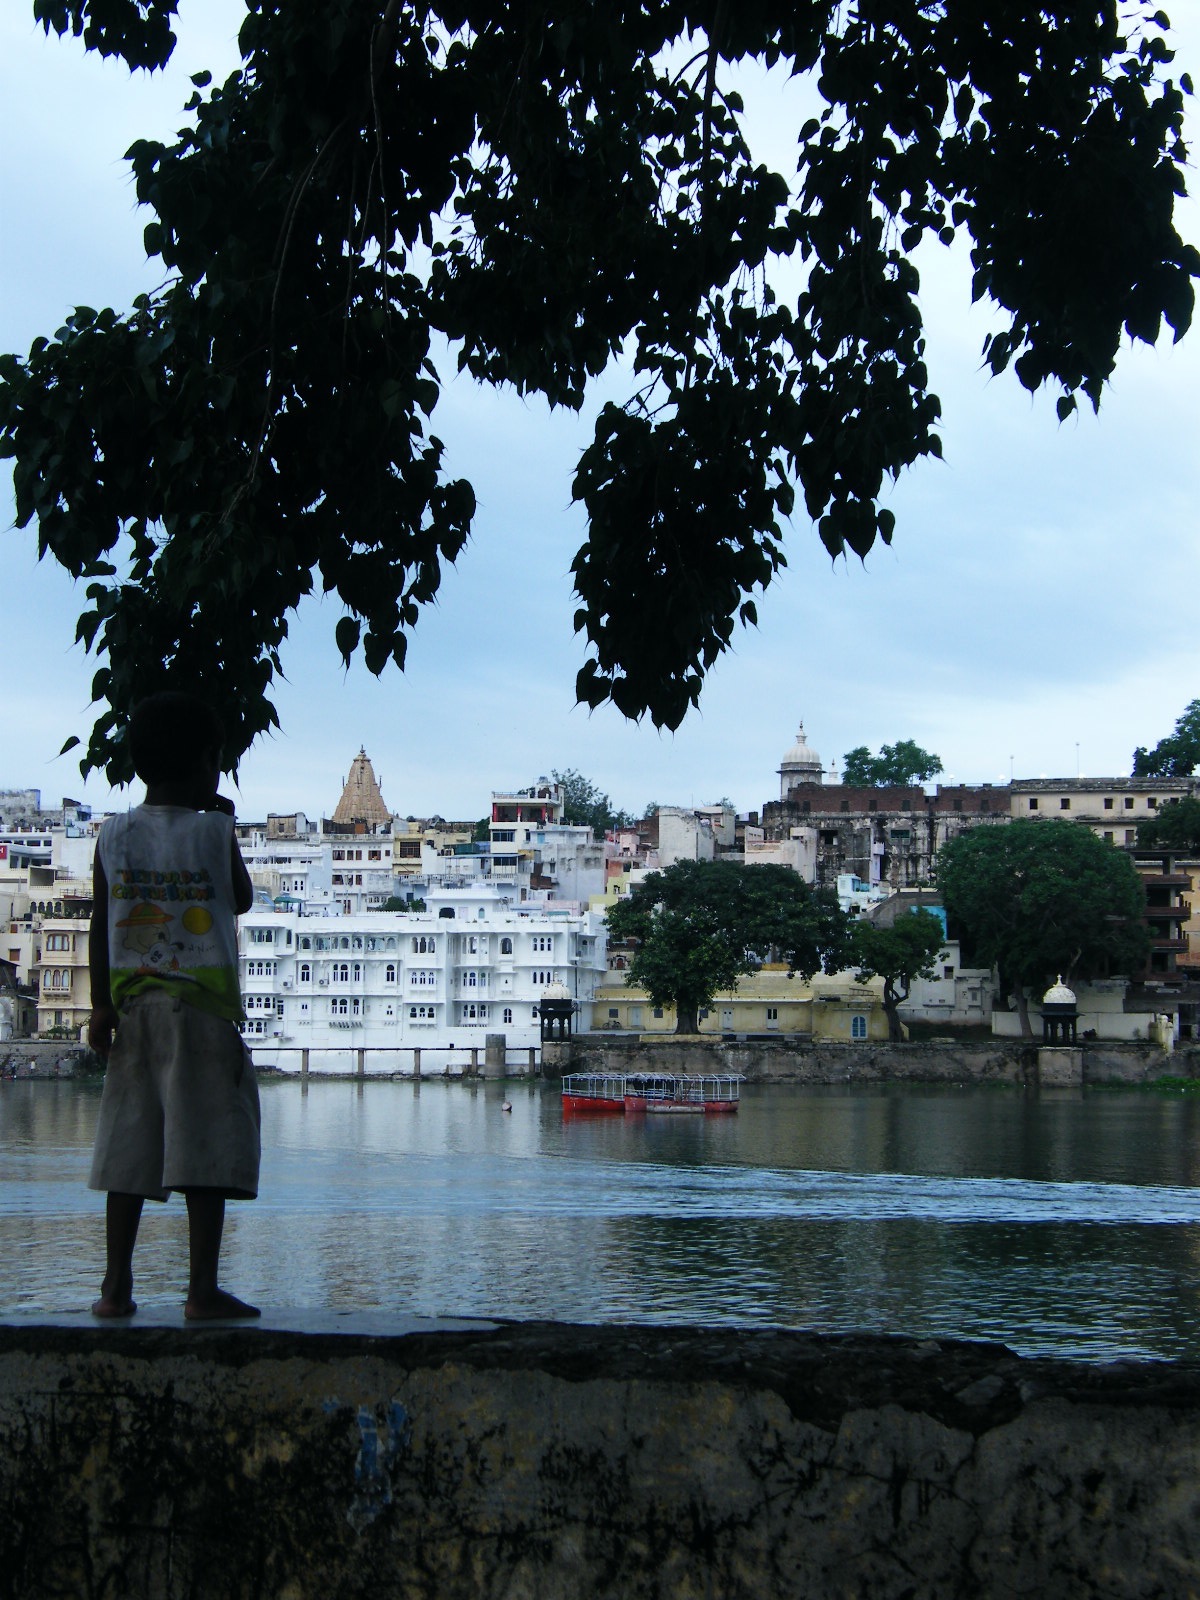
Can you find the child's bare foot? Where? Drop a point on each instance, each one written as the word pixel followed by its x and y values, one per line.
pixel 111 1305
pixel 216 1306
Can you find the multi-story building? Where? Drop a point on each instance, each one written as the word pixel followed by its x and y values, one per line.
pixel 470 965
pixel 60 970
pixel 1111 807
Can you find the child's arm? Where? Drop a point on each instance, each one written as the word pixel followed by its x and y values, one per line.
pixel 103 1020
pixel 243 889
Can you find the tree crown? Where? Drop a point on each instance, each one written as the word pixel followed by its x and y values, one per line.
pixel 539 190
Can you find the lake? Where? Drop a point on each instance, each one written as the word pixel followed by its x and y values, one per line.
pixel 1062 1222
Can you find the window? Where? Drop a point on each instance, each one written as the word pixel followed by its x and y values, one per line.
pixel 506 947
pixel 1108 837
pixel 872 805
pixel 772 1013
pixel 658 1011
pixel 1064 804
pixel 858 1027
pixel 613 1011
pixel 1108 804
pixel 947 972
pixel 1032 804
pixel 390 972
pixel 305 972
pixel 1152 802
pixel 508 1013
pixel 1129 802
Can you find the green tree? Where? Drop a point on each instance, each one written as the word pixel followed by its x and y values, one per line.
pixel 1176 756
pixel 897 954
pixel 584 804
pixel 1036 899
pixel 538 189
pixel 895 767
pixel 1176 827
pixel 701 925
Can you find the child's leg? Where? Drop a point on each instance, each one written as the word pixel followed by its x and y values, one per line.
pixel 123 1212
pixel 206 1223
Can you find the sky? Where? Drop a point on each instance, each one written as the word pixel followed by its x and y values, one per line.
pixel 1029 619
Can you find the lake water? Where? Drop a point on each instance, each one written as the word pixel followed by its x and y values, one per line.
pixel 1062 1223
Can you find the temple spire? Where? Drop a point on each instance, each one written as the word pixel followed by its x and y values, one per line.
pixel 361 798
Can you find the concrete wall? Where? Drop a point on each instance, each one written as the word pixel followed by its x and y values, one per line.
pixel 783 1060
pixel 553 1463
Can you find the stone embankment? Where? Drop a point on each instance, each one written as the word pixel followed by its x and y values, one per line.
pixel 44 1058
pixel 783 1060
pixel 566 1463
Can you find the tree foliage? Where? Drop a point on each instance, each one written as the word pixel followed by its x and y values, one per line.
pixel 895 767
pixel 1037 899
pixel 536 188
pixel 585 804
pixel 1176 826
pixel 699 926
pixel 1176 756
pixel 897 954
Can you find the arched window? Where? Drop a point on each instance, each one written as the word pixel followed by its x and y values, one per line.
pixel 506 948
pixel 305 972
pixel 391 972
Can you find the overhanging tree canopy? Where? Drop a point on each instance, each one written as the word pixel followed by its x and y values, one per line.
pixel 542 186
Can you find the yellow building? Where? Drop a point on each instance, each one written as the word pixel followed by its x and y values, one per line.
pixel 60 973
pixel 767 1002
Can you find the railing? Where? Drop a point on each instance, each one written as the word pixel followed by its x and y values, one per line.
pixel 419 1054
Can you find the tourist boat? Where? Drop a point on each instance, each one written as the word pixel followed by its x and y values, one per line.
pixel 713 1092
pixel 654 1093
pixel 585 1092
pixel 646 1090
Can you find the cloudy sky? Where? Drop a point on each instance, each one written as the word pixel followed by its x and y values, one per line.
pixel 1031 616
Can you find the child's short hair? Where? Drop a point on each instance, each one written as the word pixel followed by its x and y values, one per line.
pixel 169 733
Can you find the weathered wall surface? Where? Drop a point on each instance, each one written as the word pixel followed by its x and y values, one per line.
pixel 798 1061
pixel 550 1463
pixel 43 1058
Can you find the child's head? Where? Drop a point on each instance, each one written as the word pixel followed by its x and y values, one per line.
pixel 175 738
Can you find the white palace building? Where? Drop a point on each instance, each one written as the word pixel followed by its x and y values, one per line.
pixel 471 964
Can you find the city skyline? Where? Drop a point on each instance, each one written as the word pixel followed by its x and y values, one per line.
pixel 1018 625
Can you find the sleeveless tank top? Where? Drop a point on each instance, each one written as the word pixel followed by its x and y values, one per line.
pixel 171 919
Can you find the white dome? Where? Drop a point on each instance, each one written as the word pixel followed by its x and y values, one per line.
pixel 556 991
pixel 1058 994
pixel 800 764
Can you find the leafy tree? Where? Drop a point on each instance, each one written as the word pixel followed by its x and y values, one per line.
pixel 897 954
pixel 1176 827
pixel 584 804
pixel 1176 756
pixel 537 189
pixel 701 925
pixel 895 767
pixel 1038 898
pixel 482 831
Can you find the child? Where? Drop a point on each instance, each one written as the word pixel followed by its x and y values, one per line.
pixel 180 1102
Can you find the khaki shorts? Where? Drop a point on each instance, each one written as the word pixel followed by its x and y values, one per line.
pixel 180 1105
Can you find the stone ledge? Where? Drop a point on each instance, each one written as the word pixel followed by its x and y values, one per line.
pixel 554 1461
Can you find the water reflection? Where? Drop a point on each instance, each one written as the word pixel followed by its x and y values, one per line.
pixel 1065 1223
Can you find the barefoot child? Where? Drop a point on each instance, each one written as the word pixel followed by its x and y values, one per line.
pixel 180 1102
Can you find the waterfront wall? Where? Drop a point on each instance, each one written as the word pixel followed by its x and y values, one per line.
pixel 540 1462
pixel 789 1060
pixel 783 1060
